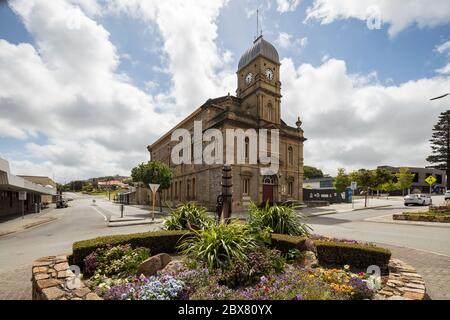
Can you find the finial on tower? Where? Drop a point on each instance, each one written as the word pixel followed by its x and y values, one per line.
pixel 299 123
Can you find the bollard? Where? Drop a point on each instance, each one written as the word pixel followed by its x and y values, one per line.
pixel 121 210
pixel 226 194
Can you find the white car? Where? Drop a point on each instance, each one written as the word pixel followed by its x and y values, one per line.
pixel 418 199
pixel 447 195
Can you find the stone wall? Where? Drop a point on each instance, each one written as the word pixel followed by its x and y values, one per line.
pixel 423 218
pixel 404 283
pixel 52 279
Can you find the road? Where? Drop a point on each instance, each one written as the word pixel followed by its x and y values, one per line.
pixel 80 221
pixel 427 248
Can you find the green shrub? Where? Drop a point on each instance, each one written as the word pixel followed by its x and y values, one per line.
pixel 185 214
pixel 285 243
pixel 219 245
pixel 281 219
pixel 361 256
pixel 157 242
pixel 260 262
pixel 115 261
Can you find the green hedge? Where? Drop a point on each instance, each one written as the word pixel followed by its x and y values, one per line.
pixel 284 243
pixel 361 256
pixel 157 242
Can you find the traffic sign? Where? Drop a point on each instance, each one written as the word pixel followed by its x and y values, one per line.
pixel 22 195
pixel 154 187
pixel 431 180
pixel 354 185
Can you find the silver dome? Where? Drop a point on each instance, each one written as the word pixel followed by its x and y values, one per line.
pixel 260 47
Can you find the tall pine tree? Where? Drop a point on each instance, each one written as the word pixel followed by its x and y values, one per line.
pixel 440 145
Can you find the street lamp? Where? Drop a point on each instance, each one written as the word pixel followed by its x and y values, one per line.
pixel 440 97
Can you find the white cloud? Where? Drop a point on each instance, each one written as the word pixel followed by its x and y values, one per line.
pixel 443 47
pixel 68 89
pixel 287 5
pixel 444 70
pixel 353 121
pixel 198 67
pixel 286 41
pixel 398 14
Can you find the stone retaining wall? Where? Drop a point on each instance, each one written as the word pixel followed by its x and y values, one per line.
pixel 52 279
pixel 404 283
pixel 423 218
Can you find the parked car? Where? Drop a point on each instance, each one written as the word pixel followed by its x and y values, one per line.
pixel 447 195
pixel 418 199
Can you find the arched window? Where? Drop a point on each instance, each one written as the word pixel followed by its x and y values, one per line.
pixel 270 115
pixel 268 180
pixel 188 190
pixel 290 156
pixel 247 148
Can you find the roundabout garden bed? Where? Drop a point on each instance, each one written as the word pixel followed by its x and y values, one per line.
pixel 234 261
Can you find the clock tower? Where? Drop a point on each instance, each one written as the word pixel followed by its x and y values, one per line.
pixel 259 86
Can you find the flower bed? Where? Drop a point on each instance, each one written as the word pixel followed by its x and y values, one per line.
pixel 294 283
pixel 156 242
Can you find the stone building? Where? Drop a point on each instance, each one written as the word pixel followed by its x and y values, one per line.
pixel 257 105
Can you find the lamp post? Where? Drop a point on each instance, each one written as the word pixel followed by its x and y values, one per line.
pixel 440 97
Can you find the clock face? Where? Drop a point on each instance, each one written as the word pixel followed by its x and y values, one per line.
pixel 249 78
pixel 269 74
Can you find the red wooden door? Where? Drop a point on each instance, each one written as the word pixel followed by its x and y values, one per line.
pixel 267 193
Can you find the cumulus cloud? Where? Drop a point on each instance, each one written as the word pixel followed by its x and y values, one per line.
pixel 286 41
pixel 199 68
pixel 67 88
pixel 398 14
pixel 287 5
pixel 444 48
pixel 353 121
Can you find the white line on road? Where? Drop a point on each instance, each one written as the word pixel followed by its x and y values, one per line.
pixel 106 219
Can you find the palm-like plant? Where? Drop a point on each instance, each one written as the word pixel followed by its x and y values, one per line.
pixel 219 245
pixel 188 216
pixel 281 219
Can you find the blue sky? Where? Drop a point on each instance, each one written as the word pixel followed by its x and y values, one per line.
pixel 378 71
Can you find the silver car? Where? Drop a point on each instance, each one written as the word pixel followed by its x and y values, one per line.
pixel 418 200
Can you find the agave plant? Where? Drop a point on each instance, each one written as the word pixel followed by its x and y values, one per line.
pixel 219 245
pixel 188 216
pixel 283 219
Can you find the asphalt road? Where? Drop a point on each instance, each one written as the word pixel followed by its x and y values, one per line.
pixel 353 225
pixel 415 244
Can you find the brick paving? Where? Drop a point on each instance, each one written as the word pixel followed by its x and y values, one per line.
pixel 434 268
pixel 16 284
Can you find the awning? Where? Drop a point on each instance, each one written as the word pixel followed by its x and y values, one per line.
pixel 10 182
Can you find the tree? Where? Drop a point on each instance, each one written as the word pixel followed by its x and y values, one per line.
pixel 312 173
pixel 404 179
pixel 366 179
pixel 383 177
pixel 440 145
pixel 388 187
pixel 153 172
pixel 342 181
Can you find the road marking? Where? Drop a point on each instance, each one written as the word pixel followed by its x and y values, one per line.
pixel 104 217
